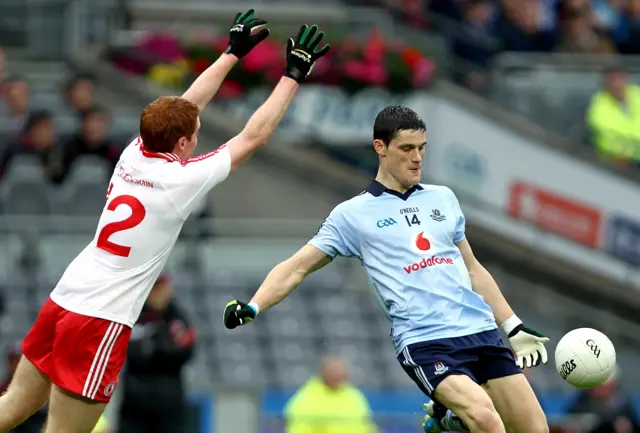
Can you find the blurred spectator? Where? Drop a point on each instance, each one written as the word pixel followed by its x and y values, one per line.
pixel 609 18
pixel 80 93
pixel 578 34
pixel 633 22
pixel 328 403
pixel 15 101
pixel 91 139
pixel 613 408
pixel 162 342
pixel 35 423
pixel 38 138
pixel 614 118
pixel 525 25
pixel 471 45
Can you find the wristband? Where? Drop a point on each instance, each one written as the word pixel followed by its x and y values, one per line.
pixel 510 324
pixel 254 307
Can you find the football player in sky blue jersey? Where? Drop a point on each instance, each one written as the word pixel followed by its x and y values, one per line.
pixel 445 308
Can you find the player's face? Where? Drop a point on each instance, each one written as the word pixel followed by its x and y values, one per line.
pixel 403 157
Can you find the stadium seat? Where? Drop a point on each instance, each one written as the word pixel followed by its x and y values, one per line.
pixel 11 247
pixel 66 125
pixel 292 375
pixel 291 327
pixel 292 350
pixel 24 189
pixel 343 326
pixel 85 189
pixel 57 251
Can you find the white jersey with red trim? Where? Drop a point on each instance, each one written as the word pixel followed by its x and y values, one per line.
pixel 149 198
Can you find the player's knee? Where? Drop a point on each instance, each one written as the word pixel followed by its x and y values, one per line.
pixel 536 424
pixel 483 417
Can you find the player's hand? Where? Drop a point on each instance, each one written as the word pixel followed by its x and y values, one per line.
pixel 303 52
pixel 247 32
pixel 238 313
pixel 528 346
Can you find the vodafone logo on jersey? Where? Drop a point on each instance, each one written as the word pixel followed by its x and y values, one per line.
pixel 420 244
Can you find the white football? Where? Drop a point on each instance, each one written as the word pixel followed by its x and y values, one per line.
pixel 585 358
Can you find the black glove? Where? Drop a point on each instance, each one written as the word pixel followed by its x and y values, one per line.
pixel 238 313
pixel 302 53
pixel 242 35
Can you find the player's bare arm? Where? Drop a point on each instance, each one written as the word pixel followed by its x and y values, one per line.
pixel 301 55
pixel 262 124
pixel 280 282
pixel 288 275
pixel 484 284
pixel 527 343
pixel 247 32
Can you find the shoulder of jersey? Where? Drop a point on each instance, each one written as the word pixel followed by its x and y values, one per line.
pixel 436 188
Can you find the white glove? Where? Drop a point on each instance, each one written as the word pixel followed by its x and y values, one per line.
pixel 527 344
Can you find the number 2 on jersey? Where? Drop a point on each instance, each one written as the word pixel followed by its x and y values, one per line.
pixel 138 213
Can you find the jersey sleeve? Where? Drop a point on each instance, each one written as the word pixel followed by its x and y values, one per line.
pixel 193 179
pixel 461 222
pixel 335 236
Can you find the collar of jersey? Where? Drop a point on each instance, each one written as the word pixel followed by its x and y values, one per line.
pixel 168 156
pixel 376 189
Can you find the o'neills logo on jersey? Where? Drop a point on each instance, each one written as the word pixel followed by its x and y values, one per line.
pixel 427 263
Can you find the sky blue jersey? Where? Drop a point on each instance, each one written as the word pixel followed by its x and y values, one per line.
pixel 407 245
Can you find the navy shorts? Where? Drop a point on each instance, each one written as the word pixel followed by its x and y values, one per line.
pixel 482 357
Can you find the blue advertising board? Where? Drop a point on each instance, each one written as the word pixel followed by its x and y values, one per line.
pixel 623 239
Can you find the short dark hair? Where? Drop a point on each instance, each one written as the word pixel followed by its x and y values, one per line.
pixel 394 119
pixel 93 110
pixel 35 118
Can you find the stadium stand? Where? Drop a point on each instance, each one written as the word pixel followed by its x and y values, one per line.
pixel 44 225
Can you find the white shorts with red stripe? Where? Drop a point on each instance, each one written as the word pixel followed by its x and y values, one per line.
pixel 80 354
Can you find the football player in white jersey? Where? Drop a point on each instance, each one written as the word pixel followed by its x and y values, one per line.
pixel 76 348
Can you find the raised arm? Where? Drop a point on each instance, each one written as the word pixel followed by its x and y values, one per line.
pixel 281 281
pixel 247 32
pixel 262 124
pixel 302 53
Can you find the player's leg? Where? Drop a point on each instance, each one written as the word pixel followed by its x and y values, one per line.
pixel 469 401
pixel 72 413
pixel 517 404
pixel 508 388
pixel 30 385
pixel 440 369
pixel 27 392
pixel 87 357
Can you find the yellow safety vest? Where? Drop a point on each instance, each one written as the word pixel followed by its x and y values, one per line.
pixel 316 408
pixel 616 126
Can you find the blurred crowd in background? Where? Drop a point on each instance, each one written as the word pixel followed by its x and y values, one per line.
pixel 62 123
pixel 33 126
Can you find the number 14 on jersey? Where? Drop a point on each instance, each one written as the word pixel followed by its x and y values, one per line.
pixel 413 221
